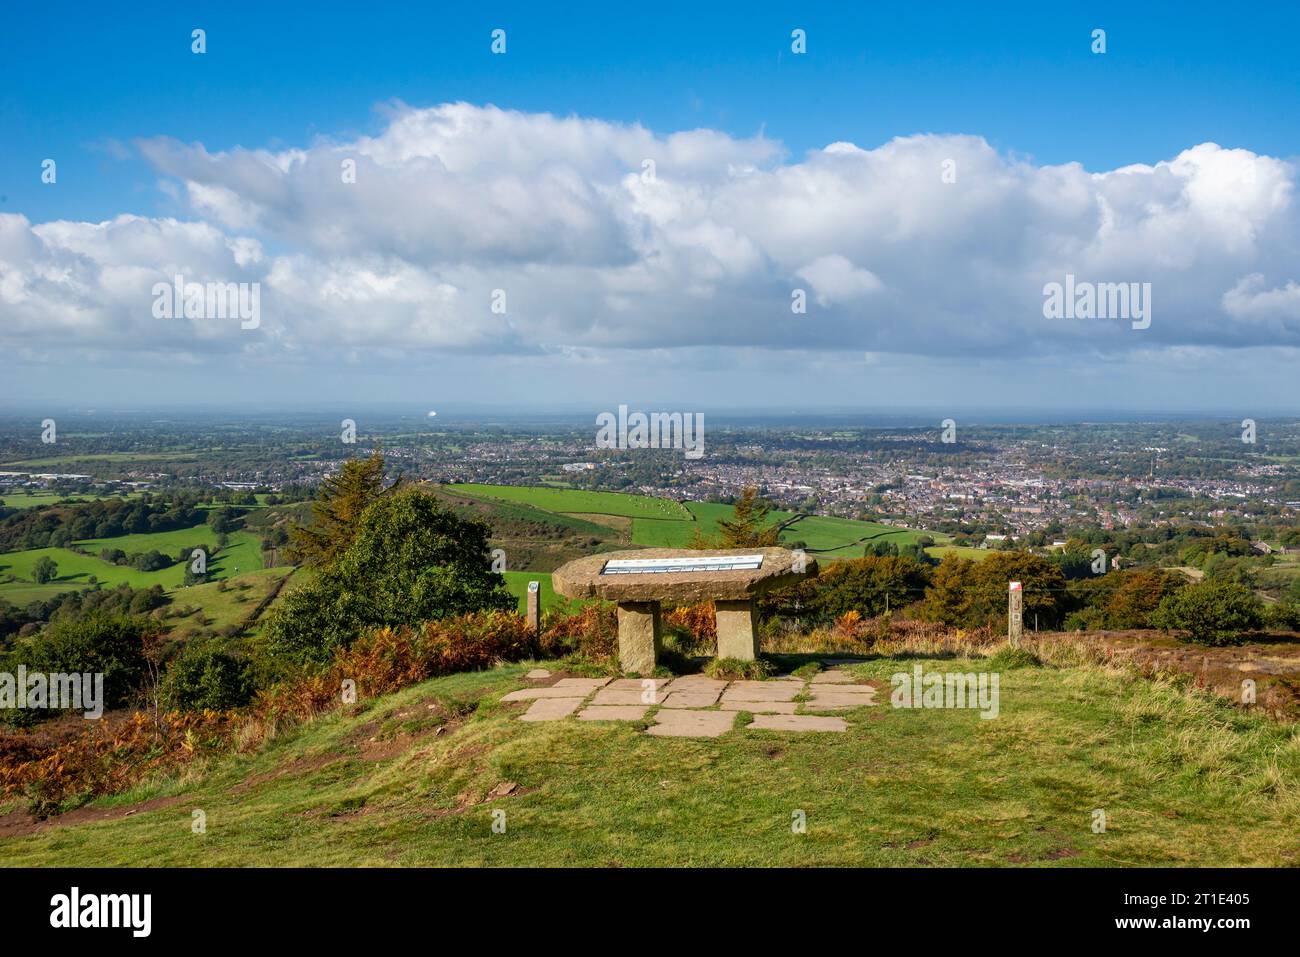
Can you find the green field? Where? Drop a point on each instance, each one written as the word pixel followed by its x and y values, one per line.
pixel 1183 779
pixel 56 461
pixel 241 554
pixel 517 582
pixel 662 523
pixel 49 498
pixel 218 608
pixel 578 501
pixel 959 551
pixel 829 537
pixel 846 537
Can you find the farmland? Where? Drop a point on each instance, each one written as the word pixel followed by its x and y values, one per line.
pixel 663 523
pixel 37 499
pixel 579 501
pixel 241 554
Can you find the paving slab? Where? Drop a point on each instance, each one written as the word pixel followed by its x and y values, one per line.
pixel 839 702
pixel 551 709
pixel 634 684
pixel 681 723
pixel 765 692
pixel 832 678
pixel 698 683
pixel 863 691
pixel 613 713
pixel 691 699
pixel 797 722
pixel 538 673
pixel 581 684
pixel 760 707
pixel 614 696
pixel 531 694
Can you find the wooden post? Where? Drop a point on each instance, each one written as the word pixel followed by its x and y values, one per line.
pixel 1015 613
pixel 534 615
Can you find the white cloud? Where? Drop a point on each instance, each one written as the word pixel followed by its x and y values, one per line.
pixel 835 280
pixel 453 202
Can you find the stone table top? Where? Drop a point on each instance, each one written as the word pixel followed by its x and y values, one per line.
pixel 583 578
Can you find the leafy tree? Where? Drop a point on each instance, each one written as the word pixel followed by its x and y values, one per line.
pixel 970 594
pixel 947 598
pixel 337 511
pixel 45 570
pixel 865 585
pixel 150 561
pixel 1138 595
pixel 1211 612
pixel 411 561
pixel 207 677
pixel 106 643
pixel 1075 559
pixel 749 526
pixel 223 520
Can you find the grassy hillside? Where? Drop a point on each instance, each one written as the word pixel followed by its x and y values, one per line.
pixel 241 554
pixel 580 501
pixel 13 500
pixel 663 523
pixel 407 780
pixel 214 607
pixel 960 551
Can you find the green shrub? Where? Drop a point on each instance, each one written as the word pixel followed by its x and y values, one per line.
pixel 109 644
pixel 411 561
pixel 1211 612
pixel 1282 616
pixel 207 679
pixel 45 570
pixel 1009 659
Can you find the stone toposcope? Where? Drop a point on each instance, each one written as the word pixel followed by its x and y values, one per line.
pixel 640 580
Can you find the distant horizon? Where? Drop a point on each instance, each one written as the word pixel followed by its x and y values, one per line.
pixel 900 417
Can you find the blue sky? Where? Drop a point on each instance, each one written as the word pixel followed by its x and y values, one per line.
pixel 115 94
pixel 77 77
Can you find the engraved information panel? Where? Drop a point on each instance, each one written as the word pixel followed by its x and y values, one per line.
pixel 704 563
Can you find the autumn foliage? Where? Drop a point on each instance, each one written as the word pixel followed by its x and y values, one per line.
pixel 106 756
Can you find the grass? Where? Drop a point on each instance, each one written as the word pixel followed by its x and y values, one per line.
pixel 103 457
pixel 829 537
pixel 517 582
pixel 220 608
pixel 36 499
pixel 959 551
pixel 241 554
pixel 578 500
pixel 663 523
pixel 1184 780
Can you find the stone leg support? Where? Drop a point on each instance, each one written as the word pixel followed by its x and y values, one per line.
pixel 639 638
pixel 736 635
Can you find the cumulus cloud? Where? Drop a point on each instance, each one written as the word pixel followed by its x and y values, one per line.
pixel 610 236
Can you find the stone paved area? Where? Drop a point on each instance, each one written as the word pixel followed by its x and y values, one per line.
pixel 698 707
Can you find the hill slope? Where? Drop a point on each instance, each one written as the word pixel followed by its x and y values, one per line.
pixel 407 780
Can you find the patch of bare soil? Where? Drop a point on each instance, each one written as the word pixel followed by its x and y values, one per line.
pixel 22 823
pixel 1273 664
